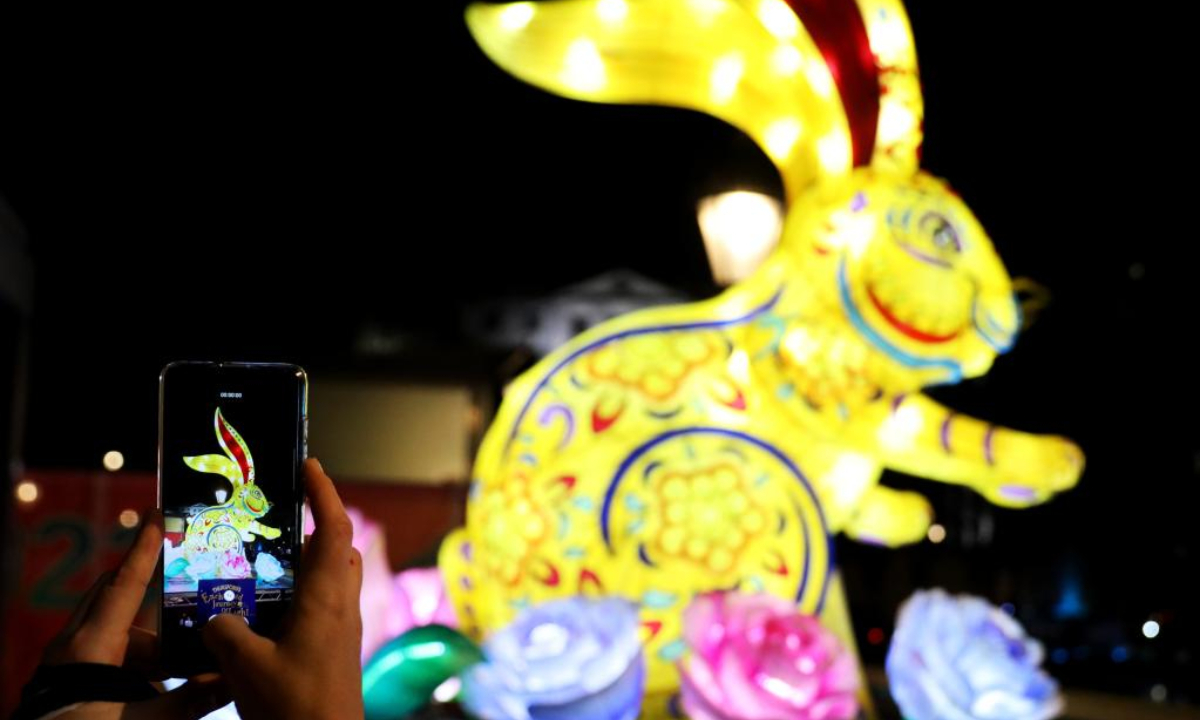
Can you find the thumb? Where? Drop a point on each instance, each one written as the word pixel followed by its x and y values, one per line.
pixel 234 644
pixel 197 698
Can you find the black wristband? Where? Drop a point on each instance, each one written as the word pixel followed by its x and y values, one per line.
pixel 57 686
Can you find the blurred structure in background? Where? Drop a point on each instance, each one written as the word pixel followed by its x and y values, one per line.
pixel 396 432
pixel 545 323
pixel 16 296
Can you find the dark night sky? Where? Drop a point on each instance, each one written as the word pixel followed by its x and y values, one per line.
pixel 259 187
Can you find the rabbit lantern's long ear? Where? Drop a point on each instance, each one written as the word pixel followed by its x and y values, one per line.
pixel 819 86
pixel 235 448
pixel 218 464
pixel 237 465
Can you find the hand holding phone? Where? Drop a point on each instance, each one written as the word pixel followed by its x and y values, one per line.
pixel 99 665
pixel 312 669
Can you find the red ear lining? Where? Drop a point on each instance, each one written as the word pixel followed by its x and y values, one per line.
pixel 838 29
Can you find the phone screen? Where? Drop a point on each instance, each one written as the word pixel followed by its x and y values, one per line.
pixel 232 441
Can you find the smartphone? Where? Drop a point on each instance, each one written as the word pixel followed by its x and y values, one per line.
pixel 232 439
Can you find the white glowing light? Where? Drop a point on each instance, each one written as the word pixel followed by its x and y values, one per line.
pixel 780 137
pixel 584 68
pixel 786 60
pixel 800 345
pixel 937 533
pixel 888 37
pixel 852 232
pixel 547 640
pixel 726 74
pixel 895 121
pixel 448 690
pixel 740 229
pixel 113 461
pixel 229 712
pixel 516 16
pixel 849 477
pixel 784 690
pixel 27 491
pixel 900 430
pixel 833 152
pixel 1151 629
pixel 707 10
pixel 819 78
pixel 425 606
pixel 612 11
pixel 739 366
pixel 779 19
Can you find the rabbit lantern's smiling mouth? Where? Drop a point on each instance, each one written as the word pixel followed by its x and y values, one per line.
pixel 906 329
pixel 255 505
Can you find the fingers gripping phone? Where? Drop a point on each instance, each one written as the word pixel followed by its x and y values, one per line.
pixel 232 440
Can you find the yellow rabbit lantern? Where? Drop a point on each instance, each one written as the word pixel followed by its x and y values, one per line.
pixel 722 444
pixel 224 528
